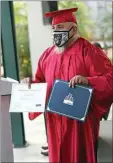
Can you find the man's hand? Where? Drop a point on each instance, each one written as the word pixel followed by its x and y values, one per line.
pixel 28 81
pixel 78 79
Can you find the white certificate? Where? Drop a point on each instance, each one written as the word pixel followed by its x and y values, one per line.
pixel 24 99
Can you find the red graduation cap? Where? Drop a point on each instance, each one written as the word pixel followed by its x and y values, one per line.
pixel 62 16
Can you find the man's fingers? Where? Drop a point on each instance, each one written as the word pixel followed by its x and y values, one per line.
pixel 29 85
pixel 25 80
pixel 73 83
pixel 70 83
pixel 79 81
pixel 29 82
pixel 76 80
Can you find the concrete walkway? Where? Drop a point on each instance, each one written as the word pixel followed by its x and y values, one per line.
pixel 35 136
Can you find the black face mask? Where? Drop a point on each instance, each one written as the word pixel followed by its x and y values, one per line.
pixel 61 37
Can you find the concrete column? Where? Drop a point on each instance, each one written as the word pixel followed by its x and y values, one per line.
pixel 40 36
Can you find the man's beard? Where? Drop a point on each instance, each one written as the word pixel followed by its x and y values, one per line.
pixel 59 50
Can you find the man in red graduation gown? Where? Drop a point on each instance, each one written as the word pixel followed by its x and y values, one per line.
pixel 77 61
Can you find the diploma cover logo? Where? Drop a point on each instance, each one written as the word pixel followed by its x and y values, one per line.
pixel 69 100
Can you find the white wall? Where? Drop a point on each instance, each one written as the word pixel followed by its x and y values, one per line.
pixel 40 36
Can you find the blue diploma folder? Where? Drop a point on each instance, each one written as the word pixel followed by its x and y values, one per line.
pixel 71 102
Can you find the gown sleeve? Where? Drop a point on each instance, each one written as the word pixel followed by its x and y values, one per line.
pixel 100 78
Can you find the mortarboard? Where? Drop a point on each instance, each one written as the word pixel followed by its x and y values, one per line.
pixel 62 16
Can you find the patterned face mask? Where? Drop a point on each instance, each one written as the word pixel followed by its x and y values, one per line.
pixel 61 37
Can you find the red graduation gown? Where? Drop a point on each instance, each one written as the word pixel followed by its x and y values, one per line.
pixel 71 141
